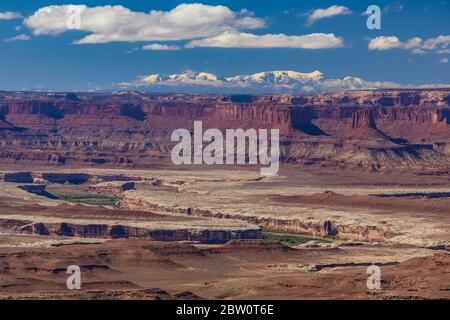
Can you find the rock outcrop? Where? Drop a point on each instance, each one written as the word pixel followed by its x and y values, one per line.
pixel 114 231
pixel 315 227
pixel 114 188
pixel 370 129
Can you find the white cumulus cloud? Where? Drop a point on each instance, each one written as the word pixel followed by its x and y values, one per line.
pixel 231 39
pixel 384 43
pixel 329 12
pixel 160 47
pixel 10 15
pixel 118 23
pixel 440 44
pixel 20 37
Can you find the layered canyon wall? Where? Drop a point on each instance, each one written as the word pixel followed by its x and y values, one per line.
pixel 373 129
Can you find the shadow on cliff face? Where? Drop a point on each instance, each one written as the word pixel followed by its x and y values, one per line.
pixel 407 98
pixel 134 112
pixel 241 98
pixel 19 177
pixel 386 101
pixel 3 111
pixel 38 190
pixel 445 113
pixel 51 111
pixel 447 99
pixel 302 120
pixel 4 124
pixel 310 129
pixel 71 178
pixel 428 195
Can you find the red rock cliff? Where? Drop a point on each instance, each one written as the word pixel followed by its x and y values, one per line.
pixel 133 128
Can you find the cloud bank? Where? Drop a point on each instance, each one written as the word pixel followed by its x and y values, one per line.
pixel 10 15
pixel 329 12
pixel 246 40
pixel 440 44
pixel 118 23
pixel 20 37
pixel 198 24
pixel 160 47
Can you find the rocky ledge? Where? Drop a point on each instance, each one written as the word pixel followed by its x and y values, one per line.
pixel 370 129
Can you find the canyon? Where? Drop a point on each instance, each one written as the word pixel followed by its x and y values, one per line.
pixel 221 233
pixel 372 129
pixel 87 179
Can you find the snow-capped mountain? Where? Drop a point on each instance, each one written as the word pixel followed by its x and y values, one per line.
pixel 268 82
pixel 277 78
pixel 187 78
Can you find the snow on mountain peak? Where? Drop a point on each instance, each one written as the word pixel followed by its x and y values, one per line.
pixel 267 81
pixel 277 77
pixel 207 76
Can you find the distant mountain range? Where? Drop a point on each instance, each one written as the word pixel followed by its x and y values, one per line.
pixel 262 82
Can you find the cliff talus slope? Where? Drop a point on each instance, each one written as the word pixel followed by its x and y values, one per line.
pixel 369 129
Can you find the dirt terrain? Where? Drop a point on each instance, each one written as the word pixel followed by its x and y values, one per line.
pixel 137 269
pixel 223 234
pixel 87 180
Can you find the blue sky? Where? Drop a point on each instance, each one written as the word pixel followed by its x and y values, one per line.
pixel 51 60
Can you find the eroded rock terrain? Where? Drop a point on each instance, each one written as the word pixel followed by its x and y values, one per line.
pixel 87 180
pixel 370 129
pixel 188 234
